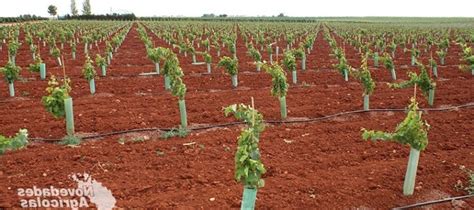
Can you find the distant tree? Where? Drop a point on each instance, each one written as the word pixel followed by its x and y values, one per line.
pixel 86 8
pixel 281 15
pixel 223 15
pixel 74 11
pixel 52 10
pixel 208 15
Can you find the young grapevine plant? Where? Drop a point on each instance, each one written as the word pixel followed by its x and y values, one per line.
pixel 54 101
pixel 365 77
pixel 207 57
pixel 14 143
pixel 255 54
pixel 156 54
pixel 56 52
pixel 100 61
pixel 423 81
pixel 88 70
pixel 289 61
pixel 279 84
pixel 231 65
pixel 342 65
pixel 248 166
pixel 298 53
pixel 175 73
pixel 13 47
pixel 412 130
pixel 468 58
pixel 11 72
pixel 35 67
pixel 387 61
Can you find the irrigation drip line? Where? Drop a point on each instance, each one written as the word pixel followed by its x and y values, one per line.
pixel 434 202
pixel 468 105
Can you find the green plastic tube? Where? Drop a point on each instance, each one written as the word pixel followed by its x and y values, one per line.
pixel 431 94
pixel 293 75
pixel 248 198
pixel 69 116
pixel 376 59
pixel 366 102
pixel 410 176
pixel 235 81
pixel 394 74
pixel 303 63
pixel 104 71
pixel 74 55
pixel 42 71
pixel 283 107
pixel 435 71
pixel 258 66
pixel 167 82
pixel 346 75
pixel 271 58
pixel 92 86
pixel 442 61
pixel 182 113
pixel 413 60
pixel 157 68
pixel 208 68
pixel 11 88
pixel 194 58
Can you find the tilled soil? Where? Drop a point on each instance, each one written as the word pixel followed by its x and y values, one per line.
pixel 323 164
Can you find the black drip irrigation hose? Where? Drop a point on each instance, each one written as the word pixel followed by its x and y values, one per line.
pixel 468 105
pixel 434 202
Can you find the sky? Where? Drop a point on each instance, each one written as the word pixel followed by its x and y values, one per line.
pixel 303 8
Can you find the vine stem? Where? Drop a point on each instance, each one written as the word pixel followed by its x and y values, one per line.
pixel 64 66
pixel 253 107
pixel 414 92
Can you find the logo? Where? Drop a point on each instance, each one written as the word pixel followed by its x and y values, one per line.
pixel 88 191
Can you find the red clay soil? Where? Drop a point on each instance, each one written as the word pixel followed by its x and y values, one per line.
pixel 324 164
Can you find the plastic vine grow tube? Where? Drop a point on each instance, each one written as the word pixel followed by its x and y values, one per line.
pixel 68 107
pixel 42 71
pixel 376 59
